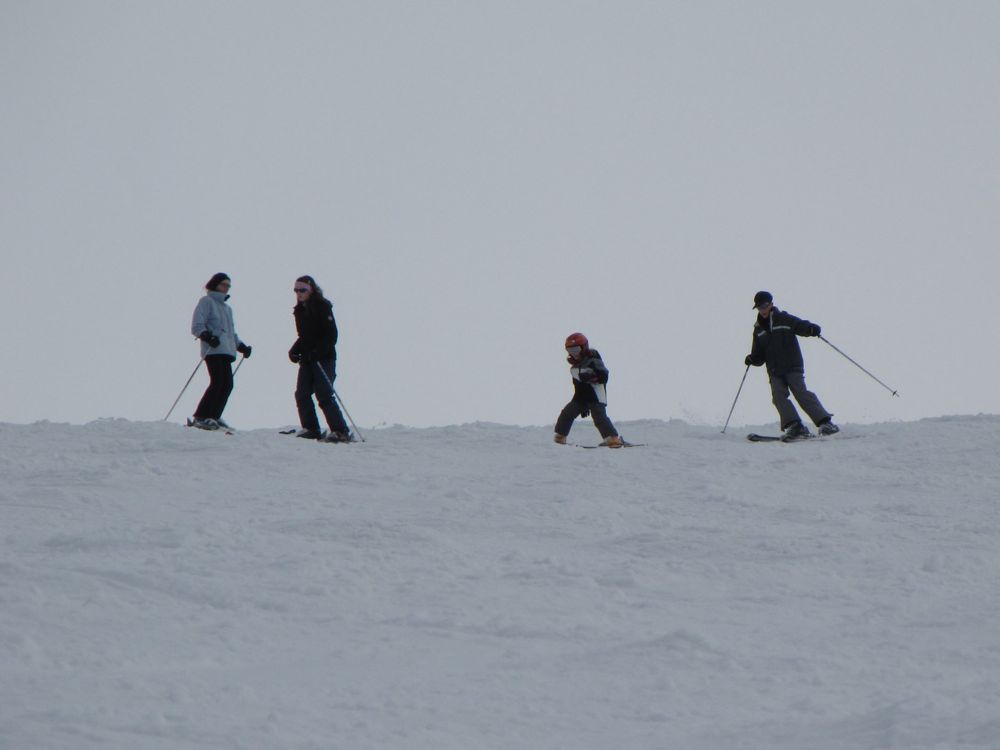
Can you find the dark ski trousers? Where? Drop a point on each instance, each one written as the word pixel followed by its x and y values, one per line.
pixel 575 409
pixel 312 380
pixel 794 382
pixel 220 385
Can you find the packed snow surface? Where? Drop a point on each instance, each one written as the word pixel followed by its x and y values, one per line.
pixel 478 586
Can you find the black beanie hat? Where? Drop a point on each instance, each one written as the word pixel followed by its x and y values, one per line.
pixel 216 280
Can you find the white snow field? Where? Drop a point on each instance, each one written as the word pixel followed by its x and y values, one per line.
pixel 478 586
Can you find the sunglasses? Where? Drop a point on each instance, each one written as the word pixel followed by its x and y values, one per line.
pixel 573 351
pixel 300 289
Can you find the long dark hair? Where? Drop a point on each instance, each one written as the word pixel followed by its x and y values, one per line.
pixel 316 299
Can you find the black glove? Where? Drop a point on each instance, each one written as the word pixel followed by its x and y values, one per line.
pixel 588 376
pixel 294 357
pixel 814 330
pixel 244 350
pixel 749 360
pixel 209 338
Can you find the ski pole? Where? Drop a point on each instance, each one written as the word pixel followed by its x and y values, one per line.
pixel 184 389
pixel 736 399
pixel 239 364
pixel 353 426
pixel 888 388
pixel 341 402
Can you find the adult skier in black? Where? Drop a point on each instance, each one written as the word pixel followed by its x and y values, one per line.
pixel 590 376
pixel 775 345
pixel 314 351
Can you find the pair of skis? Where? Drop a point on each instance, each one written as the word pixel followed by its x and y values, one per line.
pixel 753 437
pixel 323 439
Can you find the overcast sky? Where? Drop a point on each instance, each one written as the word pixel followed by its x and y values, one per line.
pixel 472 181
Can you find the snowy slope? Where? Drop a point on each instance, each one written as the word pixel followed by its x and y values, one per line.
pixel 479 587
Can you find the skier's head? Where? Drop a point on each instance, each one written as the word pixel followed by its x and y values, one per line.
pixel 217 280
pixel 762 299
pixel 307 290
pixel 576 347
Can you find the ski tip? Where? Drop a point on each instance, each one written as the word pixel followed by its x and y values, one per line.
pixel 753 437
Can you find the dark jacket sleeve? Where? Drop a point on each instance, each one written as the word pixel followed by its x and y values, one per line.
pixel 758 347
pixel 331 328
pixel 600 369
pixel 804 328
pixel 799 326
pixel 326 344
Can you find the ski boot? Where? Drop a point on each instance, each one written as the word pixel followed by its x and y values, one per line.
pixel 310 435
pixel 796 431
pixel 828 428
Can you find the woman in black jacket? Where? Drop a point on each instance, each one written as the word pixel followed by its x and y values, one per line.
pixel 315 352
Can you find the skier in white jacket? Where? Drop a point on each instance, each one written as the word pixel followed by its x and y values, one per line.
pixel 212 322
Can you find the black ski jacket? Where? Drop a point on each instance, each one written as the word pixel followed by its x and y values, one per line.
pixel 589 378
pixel 774 342
pixel 317 331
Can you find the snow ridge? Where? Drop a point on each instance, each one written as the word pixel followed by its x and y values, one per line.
pixel 477 586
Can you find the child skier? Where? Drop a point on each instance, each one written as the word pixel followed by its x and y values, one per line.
pixel 590 395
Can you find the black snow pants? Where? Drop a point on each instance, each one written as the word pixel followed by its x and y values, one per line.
pixel 575 409
pixel 312 379
pixel 220 385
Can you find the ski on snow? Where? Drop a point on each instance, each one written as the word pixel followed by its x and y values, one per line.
pixel 753 437
pixel 220 428
pixel 293 431
pixel 623 445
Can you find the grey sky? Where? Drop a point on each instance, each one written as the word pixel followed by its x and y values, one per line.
pixel 470 182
